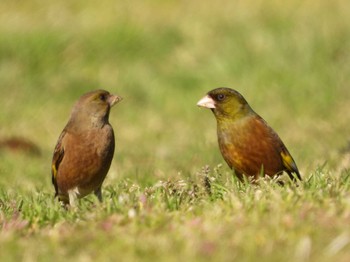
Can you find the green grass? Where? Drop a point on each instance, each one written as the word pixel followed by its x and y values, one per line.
pixel 289 59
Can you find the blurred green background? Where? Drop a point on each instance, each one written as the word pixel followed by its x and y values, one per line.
pixel 289 59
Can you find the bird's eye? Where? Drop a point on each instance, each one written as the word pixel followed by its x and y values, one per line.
pixel 220 97
pixel 103 97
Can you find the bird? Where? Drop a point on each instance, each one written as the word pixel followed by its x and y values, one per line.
pixel 247 143
pixel 85 148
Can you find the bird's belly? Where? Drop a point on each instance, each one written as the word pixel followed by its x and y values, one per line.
pixel 86 171
pixel 251 158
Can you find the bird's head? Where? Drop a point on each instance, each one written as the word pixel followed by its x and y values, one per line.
pixel 94 106
pixel 225 103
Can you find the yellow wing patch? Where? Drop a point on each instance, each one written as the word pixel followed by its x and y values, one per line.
pixel 288 161
pixel 54 171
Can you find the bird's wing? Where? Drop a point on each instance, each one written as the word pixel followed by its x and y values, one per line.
pixel 289 163
pixel 287 159
pixel 58 155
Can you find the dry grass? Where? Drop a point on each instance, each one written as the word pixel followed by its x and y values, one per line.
pixel 289 59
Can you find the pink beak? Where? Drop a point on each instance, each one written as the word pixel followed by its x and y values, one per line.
pixel 207 102
pixel 114 99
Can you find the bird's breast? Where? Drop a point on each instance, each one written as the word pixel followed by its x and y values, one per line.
pixel 248 146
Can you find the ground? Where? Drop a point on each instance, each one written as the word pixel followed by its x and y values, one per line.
pixel 289 59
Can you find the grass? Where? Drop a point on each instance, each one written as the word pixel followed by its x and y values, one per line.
pixel 291 62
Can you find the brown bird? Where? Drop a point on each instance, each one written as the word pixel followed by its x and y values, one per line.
pixel 249 146
pixel 85 148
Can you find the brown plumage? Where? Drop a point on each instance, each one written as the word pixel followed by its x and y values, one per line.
pixel 247 143
pixel 85 148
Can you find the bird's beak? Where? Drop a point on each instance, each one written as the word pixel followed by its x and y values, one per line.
pixel 207 102
pixel 114 99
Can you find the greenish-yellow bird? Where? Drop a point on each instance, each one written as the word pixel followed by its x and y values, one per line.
pixel 247 143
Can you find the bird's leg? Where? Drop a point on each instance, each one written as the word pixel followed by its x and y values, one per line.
pixel 64 200
pixel 98 194
pixel 238 175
